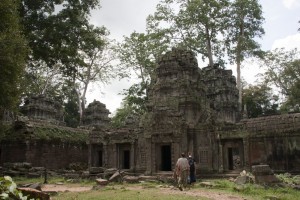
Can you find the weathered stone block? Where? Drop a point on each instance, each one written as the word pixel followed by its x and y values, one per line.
pixel 101 181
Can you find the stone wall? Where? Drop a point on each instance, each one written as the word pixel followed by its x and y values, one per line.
pixel 43 145
pixel 272 140
pixel 44 153
pixel 222 93
pixel 43 108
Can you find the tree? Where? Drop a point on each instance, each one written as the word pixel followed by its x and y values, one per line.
pixel 259 100
pixel 40 79
pixel 55 30
pixel 245 24
pixel 283 70
pixel 195 24
pixel 138 53
pixel 60 34
pixel 97 54
pixel 13 52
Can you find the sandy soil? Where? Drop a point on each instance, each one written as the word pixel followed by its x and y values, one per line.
pixel 213 195
pixel 64 188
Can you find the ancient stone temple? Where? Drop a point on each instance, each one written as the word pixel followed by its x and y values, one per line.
pixel 182 108
pixel 196 110
pixel 96 115
pixel 188 110
pixel 43 108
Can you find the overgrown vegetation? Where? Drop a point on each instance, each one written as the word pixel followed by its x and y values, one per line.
pixel 254 191
pixel 46 133
pixel 8 189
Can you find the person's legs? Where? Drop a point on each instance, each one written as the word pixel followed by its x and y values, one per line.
pixel 181 180
pixel 185 175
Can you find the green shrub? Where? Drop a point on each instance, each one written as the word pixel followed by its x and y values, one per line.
pixel 8 189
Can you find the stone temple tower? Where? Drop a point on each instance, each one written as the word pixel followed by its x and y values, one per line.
pixel 177 105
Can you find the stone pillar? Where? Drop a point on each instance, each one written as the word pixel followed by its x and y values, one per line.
pixel 153 156
pixel 148 156
pixel 115 154
pixel 221 159
pixel 90 155
pixel 132 157
pixel 246 153
pixel 105 155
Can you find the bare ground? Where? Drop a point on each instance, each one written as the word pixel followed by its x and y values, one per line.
pixel 213 195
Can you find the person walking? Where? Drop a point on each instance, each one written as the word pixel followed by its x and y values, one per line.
pixel 192 178
pixel 182 169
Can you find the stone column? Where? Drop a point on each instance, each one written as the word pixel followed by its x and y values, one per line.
pixel 105 155
pixel 90 155
pixel 246 153
pixel 132 156
pixel 148 157
pixel 221 159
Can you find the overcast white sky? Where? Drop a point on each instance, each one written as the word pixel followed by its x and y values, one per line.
pixel 122 17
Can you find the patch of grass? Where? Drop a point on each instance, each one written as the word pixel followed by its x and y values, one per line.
pixel 121 194
pixel 253 191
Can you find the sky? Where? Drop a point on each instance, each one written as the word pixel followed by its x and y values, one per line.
pixel 122 17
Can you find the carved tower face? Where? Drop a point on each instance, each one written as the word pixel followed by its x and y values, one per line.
pixel 179 88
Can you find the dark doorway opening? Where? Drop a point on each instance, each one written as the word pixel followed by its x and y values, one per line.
pixel 100 159
pixel 166 158
pixel 230 159
pixel 233 158
pixel 126 160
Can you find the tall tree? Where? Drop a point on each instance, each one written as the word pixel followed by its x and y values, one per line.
pixel 244 25
pixel 13 52
pixel 98 56
pixel 195 24
pixel 138 53
pixel 55 29
pixel 40 79
pixel 283 70
pixel 259 100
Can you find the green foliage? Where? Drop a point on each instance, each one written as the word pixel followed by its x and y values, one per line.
pixel 71 115
pixel 192 24
pixel 133 105
pixel 55 30
pixel 259 100
pixel 48 133
pixel 59 134
pixel 283 71
pixel 289 179
pixel 244 25
pixel 13 52
pixel 8 189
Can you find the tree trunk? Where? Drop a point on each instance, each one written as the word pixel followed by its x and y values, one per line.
pixel 209 49
pixel 238 82
pixel 79 104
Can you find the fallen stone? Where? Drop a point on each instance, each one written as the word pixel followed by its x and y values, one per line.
pixel 37 186
pixel 243 180
pixel 131 179
pixel 96 170
pixel 207 184
pixel 116 177
pixel 34 194
pixel 101 181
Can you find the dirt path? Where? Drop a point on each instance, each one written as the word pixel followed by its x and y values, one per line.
pixel 213 195
pixel 64 188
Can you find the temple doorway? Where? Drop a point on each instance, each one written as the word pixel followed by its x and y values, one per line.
pixel 126 159
pixel 166 161
pixel 124 156
pixel 234 159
